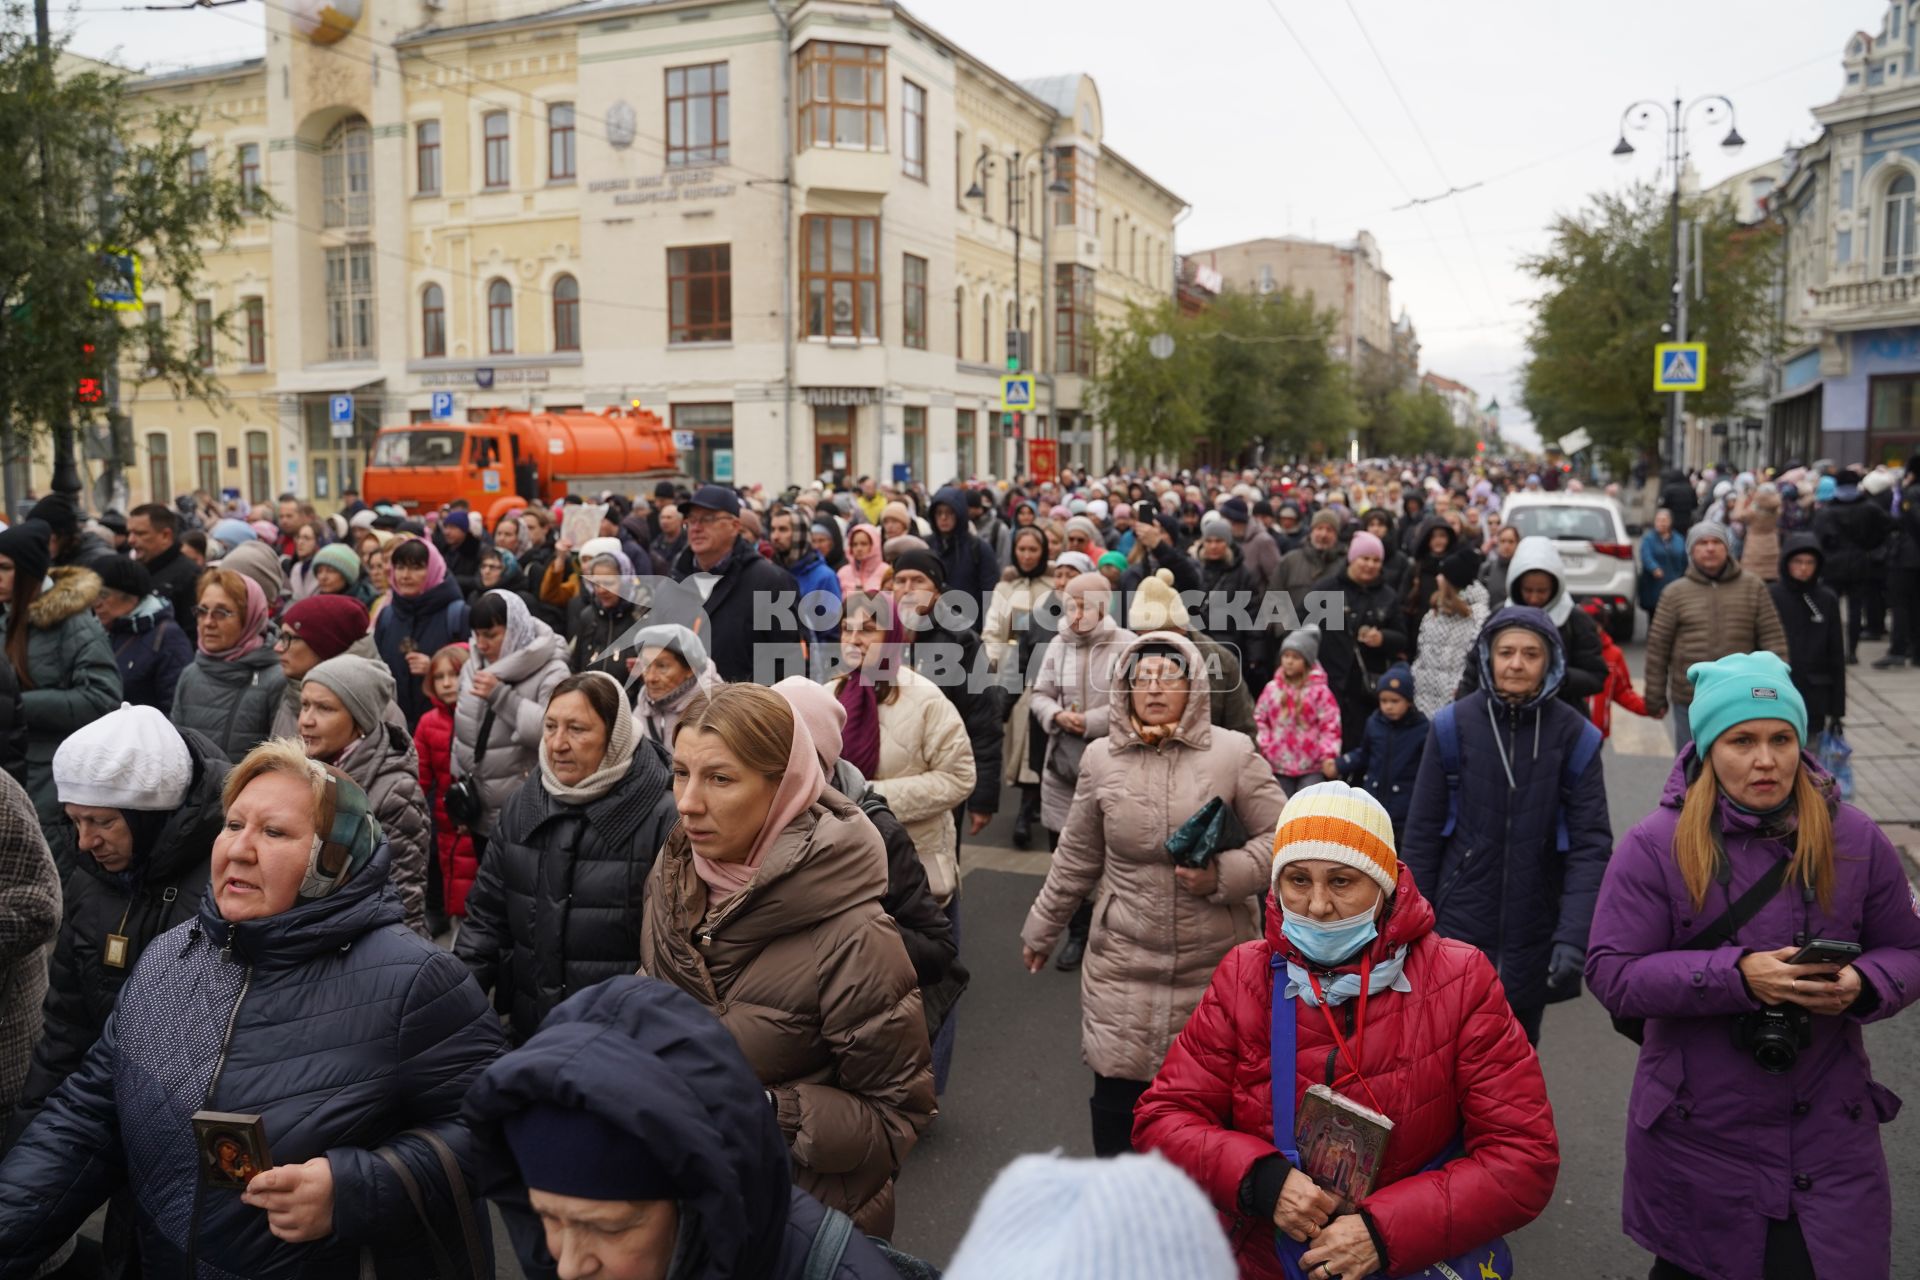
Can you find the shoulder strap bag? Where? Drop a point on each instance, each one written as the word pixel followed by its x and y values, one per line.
pixel 463 796
pixel 476 1266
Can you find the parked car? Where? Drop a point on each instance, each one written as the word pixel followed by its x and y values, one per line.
pixel 1590 530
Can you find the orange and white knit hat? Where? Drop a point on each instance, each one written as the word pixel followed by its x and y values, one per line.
pixel 1333 822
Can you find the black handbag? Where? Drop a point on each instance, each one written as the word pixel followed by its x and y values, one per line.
pixel 463 796
pixel 1201 838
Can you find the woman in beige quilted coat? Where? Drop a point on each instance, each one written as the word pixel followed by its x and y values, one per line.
pixel 1158 931
pixel 765 906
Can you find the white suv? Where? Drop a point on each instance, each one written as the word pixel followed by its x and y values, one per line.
pixel 1590 531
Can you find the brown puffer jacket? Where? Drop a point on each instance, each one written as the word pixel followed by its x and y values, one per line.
pixel 1760 553
pixel 1154 946
pixel 811 977
pixel 1702 619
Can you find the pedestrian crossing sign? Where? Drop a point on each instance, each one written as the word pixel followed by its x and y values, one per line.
pixel 1680 366
pixel 1016 393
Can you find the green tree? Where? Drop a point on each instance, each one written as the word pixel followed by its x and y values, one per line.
pixel 116 175
pixel 1609 274
pixel 1246 373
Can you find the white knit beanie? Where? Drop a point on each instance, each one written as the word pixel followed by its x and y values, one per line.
pixel 132 758
pixel 1133 1217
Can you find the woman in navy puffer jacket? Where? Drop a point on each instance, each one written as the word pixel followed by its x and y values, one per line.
pixel 296 994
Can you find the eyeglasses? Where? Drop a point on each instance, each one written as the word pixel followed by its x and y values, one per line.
pixel 218 614
pixel 1172 682
pixel 711 517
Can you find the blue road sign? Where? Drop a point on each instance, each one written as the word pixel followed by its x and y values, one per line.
pixel 1680 366
pixel 340 409
pixel 442 406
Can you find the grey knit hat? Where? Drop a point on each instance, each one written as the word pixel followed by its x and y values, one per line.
pixel 1709 529
pixel 1305 642
pixel 364 687
pixel 1215 525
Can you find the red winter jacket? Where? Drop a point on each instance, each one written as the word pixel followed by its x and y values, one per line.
pixel 1447 1059
pixel 1619 688
pixel 433 739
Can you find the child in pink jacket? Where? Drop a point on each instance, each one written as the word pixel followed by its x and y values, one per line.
pixel 1297 718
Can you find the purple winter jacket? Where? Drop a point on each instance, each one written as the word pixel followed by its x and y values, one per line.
pixel 1714 1144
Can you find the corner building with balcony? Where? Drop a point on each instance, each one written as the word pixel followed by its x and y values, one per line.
pixel 1848 383
pixel 809 234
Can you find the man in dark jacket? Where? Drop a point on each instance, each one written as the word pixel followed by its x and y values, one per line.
pixel 1810 615
pixel 1851 528
pixel 951 656
pixel 633 1106
pixel 1677 496
pixel 1156 546
pixel 1311 561
pixel 1360 637
pixel 968 559
pixel 751 602
pixel 1903 570
pixel 1508 834
pixel 1230 596
pixel 153 533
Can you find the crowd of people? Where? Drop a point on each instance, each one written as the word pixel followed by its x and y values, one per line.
pixel 359 871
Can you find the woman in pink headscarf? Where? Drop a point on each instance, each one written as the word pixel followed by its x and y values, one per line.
pixel 234 686
pixel 765 905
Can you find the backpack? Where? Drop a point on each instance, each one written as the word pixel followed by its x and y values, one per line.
pixel 1446 735
pixel 830 1247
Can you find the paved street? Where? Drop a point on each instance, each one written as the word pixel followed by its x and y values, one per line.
pixel 1019 1085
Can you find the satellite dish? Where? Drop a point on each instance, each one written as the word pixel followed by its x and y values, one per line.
pixel 1160 346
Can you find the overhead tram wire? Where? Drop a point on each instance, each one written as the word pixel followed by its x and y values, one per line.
pixel 1426 143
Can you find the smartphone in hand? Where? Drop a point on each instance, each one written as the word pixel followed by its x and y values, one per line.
pixel 1827 951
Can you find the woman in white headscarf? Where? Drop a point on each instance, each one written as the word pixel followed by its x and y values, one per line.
pixel 517 661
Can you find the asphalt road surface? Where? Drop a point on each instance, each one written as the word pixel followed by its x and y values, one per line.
pixel 1018 1084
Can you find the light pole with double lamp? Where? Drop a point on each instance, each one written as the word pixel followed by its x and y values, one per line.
pixel 1640 116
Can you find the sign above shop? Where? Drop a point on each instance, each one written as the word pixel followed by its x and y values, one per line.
pixel 840 397
pixel 664 188
pixel 484 378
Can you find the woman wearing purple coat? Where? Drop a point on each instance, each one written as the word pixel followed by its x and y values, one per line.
pixel 1753 1147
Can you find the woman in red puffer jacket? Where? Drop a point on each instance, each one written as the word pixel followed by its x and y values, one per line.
pixel 455 856
pixel 1438 1051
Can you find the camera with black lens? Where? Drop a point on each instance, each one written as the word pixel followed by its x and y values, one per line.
pixel 1775 1036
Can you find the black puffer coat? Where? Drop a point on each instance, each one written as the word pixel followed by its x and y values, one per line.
pixel 1230 591
pixel 1851 528
pixel 332 1021
pixel 557 905
pixel 161 889
pixel 1816 645
pixel 1353 668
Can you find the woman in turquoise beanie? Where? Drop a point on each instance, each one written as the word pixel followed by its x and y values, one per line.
pixel 1754 1148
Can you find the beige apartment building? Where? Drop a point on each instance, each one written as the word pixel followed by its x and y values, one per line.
pixel 1348 277
pixel 790 230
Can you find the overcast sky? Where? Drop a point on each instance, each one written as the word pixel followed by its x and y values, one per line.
pixel 1218 101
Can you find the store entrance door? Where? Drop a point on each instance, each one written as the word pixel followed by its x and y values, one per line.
pixel 833 440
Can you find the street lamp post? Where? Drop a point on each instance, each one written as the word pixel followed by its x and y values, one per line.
pixel 1016 204
pixel 1640 116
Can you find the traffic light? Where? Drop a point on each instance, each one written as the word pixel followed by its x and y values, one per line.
pixel 89 387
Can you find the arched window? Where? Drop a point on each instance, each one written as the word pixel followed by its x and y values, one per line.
pixel 500 318
pixel 566 314
pixel 960 323
pixel 346 175
pixel 433 322
pixel 1898 212
pixel 986 329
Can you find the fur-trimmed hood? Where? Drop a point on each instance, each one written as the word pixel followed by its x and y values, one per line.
pixel 73 589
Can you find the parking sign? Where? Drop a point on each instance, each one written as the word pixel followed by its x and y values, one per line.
pixel 340 416
pixel 443 406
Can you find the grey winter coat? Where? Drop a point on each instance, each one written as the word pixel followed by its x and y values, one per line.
pixel 72 670
pixel 1074 677
pixel 29 921
pixel 231 702
pixel 533 659
pixel 384 764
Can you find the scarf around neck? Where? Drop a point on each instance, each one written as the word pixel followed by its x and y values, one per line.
pixel 800 786
pixel 860 736
pixel 252 628
pixel 621 738
pixel 1389 974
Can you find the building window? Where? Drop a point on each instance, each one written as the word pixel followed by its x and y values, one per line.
pixel 426 156
pixel 1133 252
pixel 1075 167
pixel 350 302
pixel 250 173
pixel 159 468
pixel 1898 212
pixel 566 314
pixel 1073 318
pixel 500 318
pixel 700 293
pixel 914 429
pixel 913 302
pixel 913 130
pixel 196 166
pixel 256 312
pixel 259 474
pixel 206 462
pixel 964 443
pixel 697 106
pixel 712 428
pixel 346 174
pixel 203 333
pixel 840 279
pixel 156 325
pixel 499 157
pixel 560 165
pixel 433 322
pixel 843 96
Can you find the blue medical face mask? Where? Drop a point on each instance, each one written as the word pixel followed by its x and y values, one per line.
pixel 1329 942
